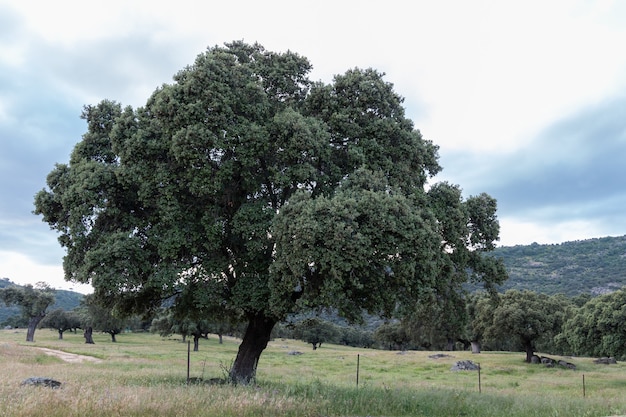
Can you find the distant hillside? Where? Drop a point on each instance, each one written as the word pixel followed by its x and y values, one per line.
pixel 592 266
pixel 67 300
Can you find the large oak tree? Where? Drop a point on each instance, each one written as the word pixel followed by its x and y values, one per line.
pixel 244 189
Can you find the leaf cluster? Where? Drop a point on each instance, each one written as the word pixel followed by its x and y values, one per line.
pixel 245 190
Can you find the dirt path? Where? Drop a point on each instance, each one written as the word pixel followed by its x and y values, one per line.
pixel 70 357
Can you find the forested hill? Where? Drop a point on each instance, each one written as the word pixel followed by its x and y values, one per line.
pixel 67 300
pixel 592 266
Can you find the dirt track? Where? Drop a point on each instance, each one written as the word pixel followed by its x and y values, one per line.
pixel 70 357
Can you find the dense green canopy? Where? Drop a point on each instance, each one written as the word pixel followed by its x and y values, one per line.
pixel 598 328
pixel 525 316
pixel 32 301
pixel 243 188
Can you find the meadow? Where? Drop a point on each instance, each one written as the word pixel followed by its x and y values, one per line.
pixel 146 375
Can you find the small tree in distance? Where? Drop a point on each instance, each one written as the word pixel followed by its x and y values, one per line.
pixel 32 301
pixel 315 332
pixel 96 317
pixel 525 316
pixel 392 336
pixel 61 321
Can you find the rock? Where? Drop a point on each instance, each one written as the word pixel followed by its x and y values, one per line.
pixel 465 366
pixel 567 365
pixel 41 382
pixel 550 363
pixel 294 352
pixel 439 356
pixel 605 361
pixel 535 359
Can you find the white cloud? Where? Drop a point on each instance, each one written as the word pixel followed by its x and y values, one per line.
pixel 519 232
pixel 482 79
pixel 22 270
pixel 4 114
pixel 530 63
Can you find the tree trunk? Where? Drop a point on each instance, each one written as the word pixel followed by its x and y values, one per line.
pixel 255 340
pixel 220 337
pixel 450 345
pixel 530 352
pixel 475 347
pixel 196 342
pixel 60 334
pixel 113 337
pixel 32 325
pixel 88 334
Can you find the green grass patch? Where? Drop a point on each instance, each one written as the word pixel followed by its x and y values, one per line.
pixel 145 375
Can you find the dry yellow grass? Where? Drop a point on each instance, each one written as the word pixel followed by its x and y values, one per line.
pixel 144 375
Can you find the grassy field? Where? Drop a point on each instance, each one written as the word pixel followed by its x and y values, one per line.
pixel 145 375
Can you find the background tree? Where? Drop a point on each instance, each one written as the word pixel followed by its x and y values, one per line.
pixel 32 301
pixel 61 321
pixel 598 328
pixel 245 188
pixel 97 317
pixel 198 330
pixel 526 316
pixel 163 324
pixel 88 335
pixel 167 323
pixel 479 313
pixel 438 324
pixel 392 336
pixel 315 332
pixel 355 336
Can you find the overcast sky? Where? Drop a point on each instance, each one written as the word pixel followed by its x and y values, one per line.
pixel 526 99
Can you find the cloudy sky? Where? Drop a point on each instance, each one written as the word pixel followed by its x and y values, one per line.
pixel 526 99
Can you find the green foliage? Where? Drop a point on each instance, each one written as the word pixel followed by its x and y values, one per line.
pixel 526 317
pixel 392 336
pixel 61 321
pixel 598 328
pixel 315 332
pixel 10 315
pixel 438 325
pixel 101 318
pixel 32 302
pixel 593 266
pixel 9 312
pixel 244 190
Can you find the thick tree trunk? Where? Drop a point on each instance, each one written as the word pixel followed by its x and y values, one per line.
pixel 196 342
pixel 255 340
pixel 88 334
pixel 32 325
pixel 475 347
pixel 450 345
pixel 220 337
pixel 530 352
pixel 113 337
pixel 60 334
